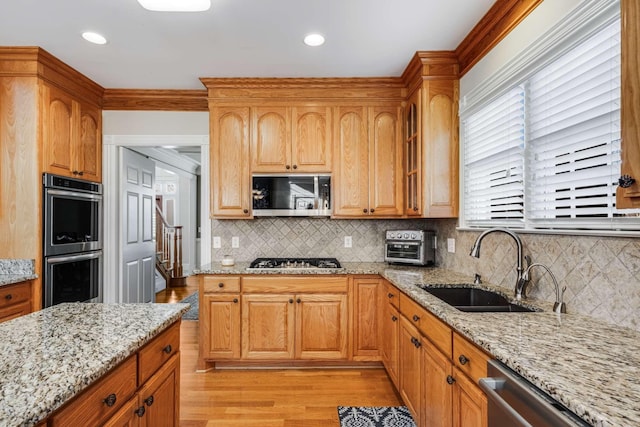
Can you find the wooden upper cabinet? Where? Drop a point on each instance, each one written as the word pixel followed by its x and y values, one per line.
pixel 351 168
pixel 368 166
pixel 72 136
pixel 385 157
pixel 629 198
pixel 291 139
pixel 311 139
pixel 431 136
pixel 229 151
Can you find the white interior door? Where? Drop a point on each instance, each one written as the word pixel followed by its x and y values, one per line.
pixel 137 213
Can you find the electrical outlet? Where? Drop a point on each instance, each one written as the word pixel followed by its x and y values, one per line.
pixel 451 245
pixel 235 242
pixel 217 243
pixel 348 242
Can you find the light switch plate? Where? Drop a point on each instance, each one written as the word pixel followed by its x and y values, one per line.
pixel 217 243
pixel 235 242
pixel 348 242
pixel 451 245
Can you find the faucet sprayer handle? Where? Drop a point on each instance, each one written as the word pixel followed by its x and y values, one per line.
pixel 527 258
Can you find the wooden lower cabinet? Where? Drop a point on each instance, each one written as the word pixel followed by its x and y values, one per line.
pixel 220 333
pixel 116 400
pixel 390 325
pixel 469 403
pixel 410 368
pixel 15 300
pixel 366 311
pixel 437 408
pixel 294 326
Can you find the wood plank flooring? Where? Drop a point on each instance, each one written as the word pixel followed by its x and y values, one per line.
pixel 269 398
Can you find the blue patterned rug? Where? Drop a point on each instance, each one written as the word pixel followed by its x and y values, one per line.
pixel 192 314
pixel 375 416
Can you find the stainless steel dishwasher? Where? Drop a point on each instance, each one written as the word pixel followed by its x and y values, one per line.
pixel 515 402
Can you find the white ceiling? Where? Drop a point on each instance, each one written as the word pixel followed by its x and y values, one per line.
pixel 237 38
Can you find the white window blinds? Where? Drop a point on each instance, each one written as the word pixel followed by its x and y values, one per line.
pixel 493 162
pixel 573 135
pixel 546 154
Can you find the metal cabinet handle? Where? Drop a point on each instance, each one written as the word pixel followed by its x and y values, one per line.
pixel 295 166
pixel 365 210
pixel 245 211
pixel 288 167
pixel 140 411
pixel 290 300
pixel 415 209
pixel 221 285
pixel 415 317
pixel 110 400
pixel 390 295
pixel 149 401
pixel 625 181
pixel 235 300
pixel 450 380
pixel 394 318
pixel 372 210
pixel 298 300
pixel 463 359
pixel 8 297
pixel 167 349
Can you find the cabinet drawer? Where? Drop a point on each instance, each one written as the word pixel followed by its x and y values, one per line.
pixel 429 325
pixel 15 294
pixel 392 294
pixel 469 358
pixel 157 352
pixel 294 284
pixel 15 310
pixel 220 284
pixel 93 408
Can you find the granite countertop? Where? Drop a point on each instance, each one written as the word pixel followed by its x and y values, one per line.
pixel 16 270
pixel 588 365
pixel 50 356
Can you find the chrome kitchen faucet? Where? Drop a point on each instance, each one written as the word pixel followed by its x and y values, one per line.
pixel 521 281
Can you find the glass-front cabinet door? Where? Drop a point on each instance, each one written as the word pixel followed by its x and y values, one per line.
pixel 413 154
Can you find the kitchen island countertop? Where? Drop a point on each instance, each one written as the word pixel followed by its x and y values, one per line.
pixel 588 365
pixel 50 356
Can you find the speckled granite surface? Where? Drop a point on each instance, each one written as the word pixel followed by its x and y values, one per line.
pixel 49 356
pixel 591 367
pixel 16 270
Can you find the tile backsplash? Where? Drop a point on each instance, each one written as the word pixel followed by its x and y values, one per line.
pixel 602 274
pixel 306 237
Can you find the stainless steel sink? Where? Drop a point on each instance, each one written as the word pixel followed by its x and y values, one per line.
pixel 471 299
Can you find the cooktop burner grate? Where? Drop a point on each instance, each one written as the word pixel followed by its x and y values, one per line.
pixel 302 263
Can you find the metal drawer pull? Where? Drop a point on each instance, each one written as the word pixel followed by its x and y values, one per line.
pixel 221 285
pixel 167 349
pixel 9 297
pixel 149 401
pixel 450 380
pixel 140 411
pixel 110 400
pixel 463 359
pixel 416 317
pixel 394 318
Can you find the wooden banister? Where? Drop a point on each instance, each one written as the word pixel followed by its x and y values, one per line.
pixel 169 245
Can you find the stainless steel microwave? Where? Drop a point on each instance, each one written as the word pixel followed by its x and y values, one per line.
pixel 291 195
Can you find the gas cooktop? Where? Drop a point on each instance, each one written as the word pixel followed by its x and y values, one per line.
pixel 301 263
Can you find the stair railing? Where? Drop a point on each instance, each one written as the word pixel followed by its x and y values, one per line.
pixel 169 244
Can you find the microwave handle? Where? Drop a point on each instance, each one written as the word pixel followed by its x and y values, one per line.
pixel 82 257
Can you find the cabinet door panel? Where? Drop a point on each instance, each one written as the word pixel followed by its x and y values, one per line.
pixel 230 187
pixel 311 139
pixel 410 368
pixel 351 168
pixel 268 326
pixel 221 326
pixel 59 131
pixel 385 161
pixel 160 396
pixel 438 393
pixel 126 416
pixel 366 311
pixel 90 149
pixel 321 326
pixel 413 157
pixel 270 141
pixel 469 403
pixel 390 335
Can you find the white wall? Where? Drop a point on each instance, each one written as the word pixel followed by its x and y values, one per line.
pixel 544 17
pixel 155 122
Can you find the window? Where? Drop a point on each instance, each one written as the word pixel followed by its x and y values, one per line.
pixel 545 154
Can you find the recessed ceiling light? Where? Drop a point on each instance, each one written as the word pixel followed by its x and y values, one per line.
pixel 94 37
pixel 314 40
pixel 176 5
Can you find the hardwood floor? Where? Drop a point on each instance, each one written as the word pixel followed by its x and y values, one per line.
pixel 269 398
pixel 172 295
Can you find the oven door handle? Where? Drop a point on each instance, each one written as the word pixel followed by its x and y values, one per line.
pixel 403 242
pixel 74 194
pixel 83 257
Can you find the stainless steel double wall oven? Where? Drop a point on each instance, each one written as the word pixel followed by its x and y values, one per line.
pixel 72 246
